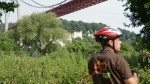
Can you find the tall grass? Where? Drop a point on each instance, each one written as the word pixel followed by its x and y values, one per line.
pixel 59 67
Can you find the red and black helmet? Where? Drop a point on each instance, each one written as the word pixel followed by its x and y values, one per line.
pixel 107 33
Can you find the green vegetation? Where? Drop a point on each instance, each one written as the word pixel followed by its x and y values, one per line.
pixel 59 67
pixel 40 32
pixel 139 16
pixel 87 28
pixel 7 7
pixel 72 26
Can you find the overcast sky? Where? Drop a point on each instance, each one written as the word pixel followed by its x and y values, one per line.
pixel 109 12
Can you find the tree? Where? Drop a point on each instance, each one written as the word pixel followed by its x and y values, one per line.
pixel 128 36
pixel 77 45
pixel 7 41
pixel 127 48
pixel 140 11
pixel 40 32
pixel 7 7
pixel 140 15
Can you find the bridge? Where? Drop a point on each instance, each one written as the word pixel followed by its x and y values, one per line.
pixel 71 6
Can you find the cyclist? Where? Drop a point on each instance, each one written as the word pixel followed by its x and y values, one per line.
pixel 106 66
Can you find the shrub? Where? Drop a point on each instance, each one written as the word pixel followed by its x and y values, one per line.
pixel 59 67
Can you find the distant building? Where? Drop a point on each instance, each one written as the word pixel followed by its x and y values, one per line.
pixel 74 35
pixel 90 34
pixel 60 42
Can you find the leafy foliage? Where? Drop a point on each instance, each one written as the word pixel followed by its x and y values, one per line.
pixel 7 43
pixel 90 28
pixel 125 47
pixel 72 26
pixel 144 76
pixel 39 32
pixel 128 37
pixel 77 45
pixel 145 34
pixel 140 16
pixel 140 11
pixel 59 67
pixel 7 7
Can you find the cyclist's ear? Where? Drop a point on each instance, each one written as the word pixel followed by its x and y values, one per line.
pixel 110 42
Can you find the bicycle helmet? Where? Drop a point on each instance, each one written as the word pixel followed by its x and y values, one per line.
pixel 107 33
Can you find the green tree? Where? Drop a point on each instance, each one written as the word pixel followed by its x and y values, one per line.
pixel 127 48
pixel 140 15
pixel 40 32
pixel 140 11
pixel 77 45
pixel 7 42
pixel 128 36
pixel 72 26
pixel 7 7
pixel 86 46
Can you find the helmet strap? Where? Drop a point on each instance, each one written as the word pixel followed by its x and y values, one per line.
pixel 113 47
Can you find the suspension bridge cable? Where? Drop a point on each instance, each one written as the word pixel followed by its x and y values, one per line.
pixel 49 6
pixel 42 5
pixel 37 3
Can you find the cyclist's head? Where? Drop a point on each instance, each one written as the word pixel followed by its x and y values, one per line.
pixel 107 33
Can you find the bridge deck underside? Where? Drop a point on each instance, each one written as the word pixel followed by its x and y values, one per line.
pixel 73 6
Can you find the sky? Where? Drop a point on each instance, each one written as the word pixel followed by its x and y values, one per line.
pixel 109 12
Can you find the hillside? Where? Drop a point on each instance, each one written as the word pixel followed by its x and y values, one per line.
pixel 86 28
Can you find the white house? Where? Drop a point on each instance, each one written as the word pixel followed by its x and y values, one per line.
pixel 74 35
